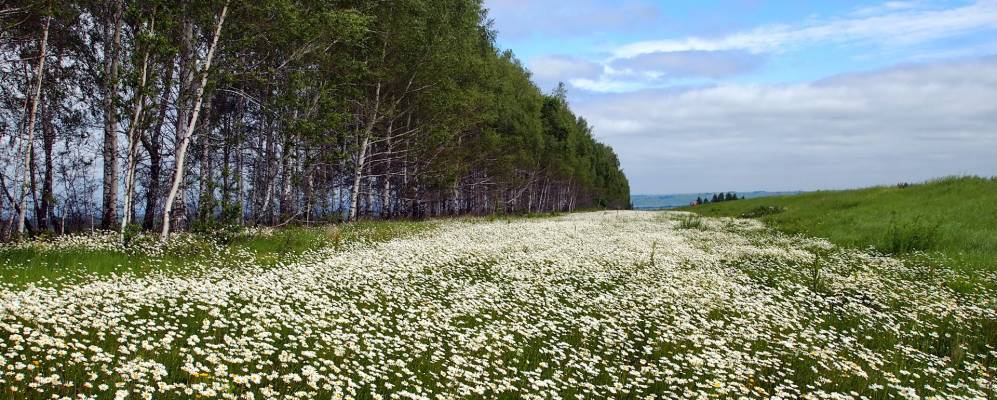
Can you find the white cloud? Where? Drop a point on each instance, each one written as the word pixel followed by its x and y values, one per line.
pixel 902 23
pixel 906 123
pixel 890 6
pixel 644 71
pixel 604 85
pixel 549 70
pixel 712 64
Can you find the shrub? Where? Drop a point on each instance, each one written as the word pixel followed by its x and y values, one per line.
pixel 131 232
pixel 217 231
pixel 762 211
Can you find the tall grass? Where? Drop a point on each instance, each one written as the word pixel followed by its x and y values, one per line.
pixel 690 222
pixel 904 237
pixel 954 217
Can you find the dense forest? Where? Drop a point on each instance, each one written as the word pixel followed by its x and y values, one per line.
pixel 193 114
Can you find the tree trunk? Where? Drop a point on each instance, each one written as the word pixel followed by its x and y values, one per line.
pixel 225 171
pixel 111 49
pixel 45 219
pixel 39 75
pixel 362 154
pixel 33 186
pixel 178 171
pixel 386 196
pixel 187 69
pixel 357 177
pixel 267 175
pixel 287 172
pixel 153 145
pixel 133 141
pixel 206 194
pixel 309 188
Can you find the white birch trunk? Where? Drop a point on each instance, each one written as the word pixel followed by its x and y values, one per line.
pixel 133 142
pixel 39 75
pixel 357 177
pixel 185 139
pixel 112 53
pixel 362 155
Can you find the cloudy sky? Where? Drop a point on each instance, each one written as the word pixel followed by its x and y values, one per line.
pixel 771 95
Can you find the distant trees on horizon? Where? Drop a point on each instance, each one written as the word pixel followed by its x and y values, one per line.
pixel 717 198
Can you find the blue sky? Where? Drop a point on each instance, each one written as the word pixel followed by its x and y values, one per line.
pixel 793 95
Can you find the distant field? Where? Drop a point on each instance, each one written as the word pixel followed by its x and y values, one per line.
pixel 955 218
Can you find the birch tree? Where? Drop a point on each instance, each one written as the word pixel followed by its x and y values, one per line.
pixel 30 129
pixel 185 137
pixel 112 48
pixel 134 132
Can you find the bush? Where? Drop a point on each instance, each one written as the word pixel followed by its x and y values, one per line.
pixel 131 232
pixel 221 233
pixel 762 211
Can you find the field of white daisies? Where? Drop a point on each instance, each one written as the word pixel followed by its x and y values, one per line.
pixel 634 305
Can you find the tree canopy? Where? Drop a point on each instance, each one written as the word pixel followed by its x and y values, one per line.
pixel 292 110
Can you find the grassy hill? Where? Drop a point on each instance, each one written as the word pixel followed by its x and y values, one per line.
pixel 955 218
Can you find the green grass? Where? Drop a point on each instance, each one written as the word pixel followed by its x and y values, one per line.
pixel 282 244
pixel 955 218
pixel 21 266
pixel 31 266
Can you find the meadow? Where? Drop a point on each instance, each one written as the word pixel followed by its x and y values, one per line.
pixel 952 219
pixel 616 304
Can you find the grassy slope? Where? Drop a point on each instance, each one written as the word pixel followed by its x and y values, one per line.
pixel 954 217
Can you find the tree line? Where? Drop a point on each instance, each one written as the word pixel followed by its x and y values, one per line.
pixel 717 198
pixel 196 114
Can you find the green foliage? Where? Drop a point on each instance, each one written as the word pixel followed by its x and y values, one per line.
pixel 23 266
pixel 815 270
pixel 217 230
pixel 954 217
pixel 130 232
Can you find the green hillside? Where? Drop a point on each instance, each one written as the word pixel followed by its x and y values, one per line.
pixel 954 218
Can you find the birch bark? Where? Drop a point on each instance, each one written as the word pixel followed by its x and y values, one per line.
pixel 178 170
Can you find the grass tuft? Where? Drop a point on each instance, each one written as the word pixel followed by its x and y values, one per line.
pixel 691 222
pixel 905 237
